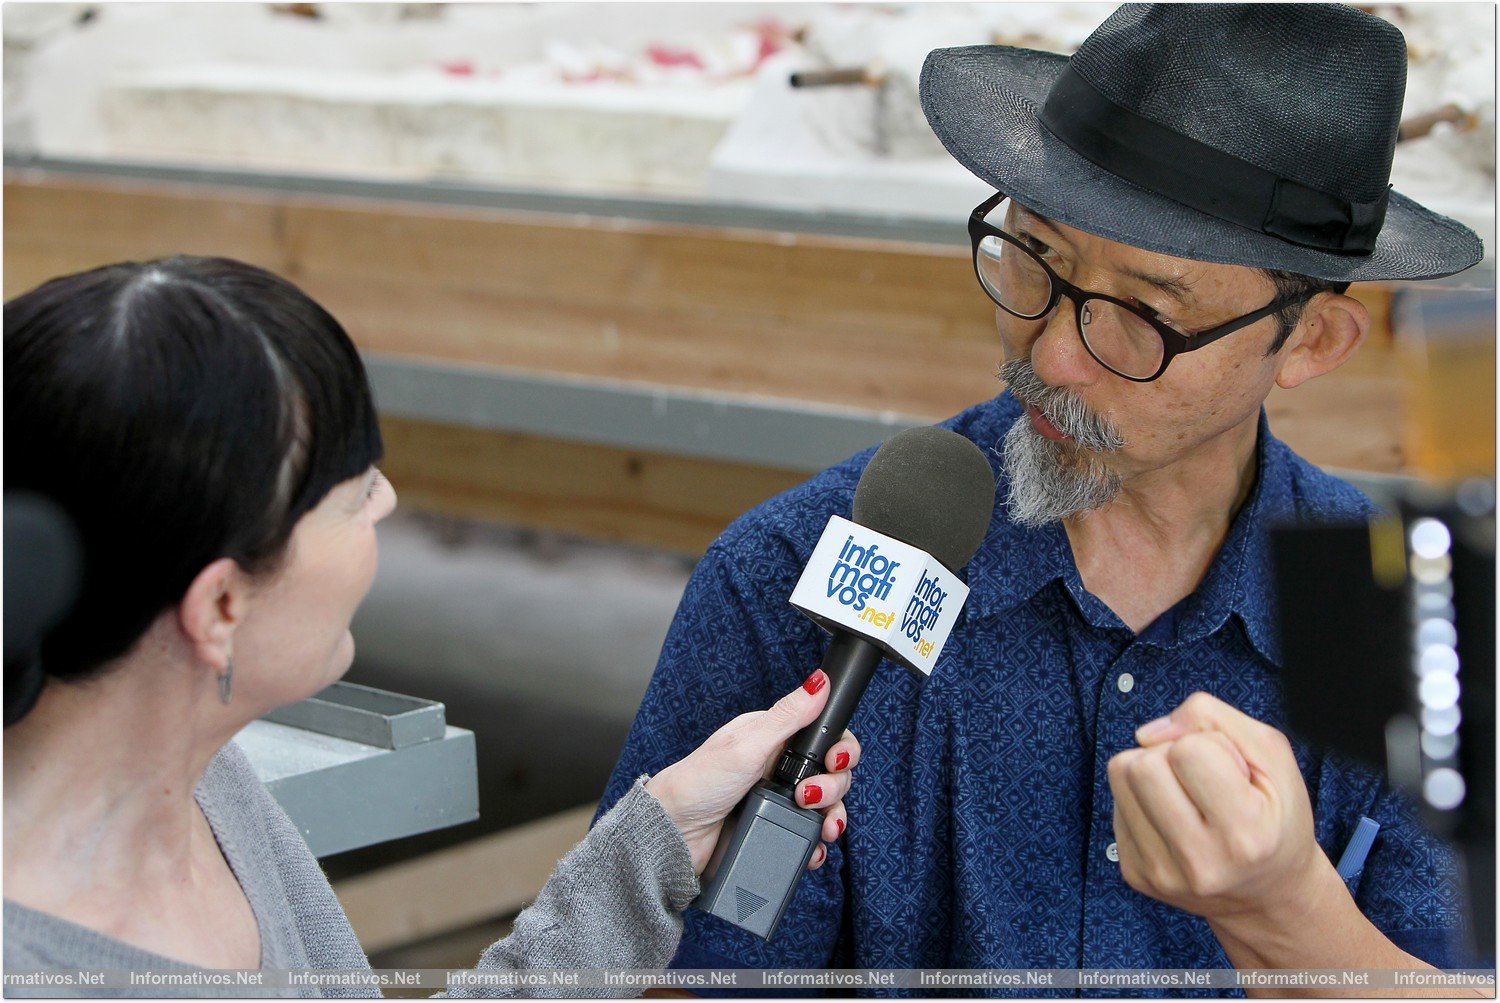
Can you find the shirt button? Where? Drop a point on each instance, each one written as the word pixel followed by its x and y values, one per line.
pixel 1126 682
pixel 1112 851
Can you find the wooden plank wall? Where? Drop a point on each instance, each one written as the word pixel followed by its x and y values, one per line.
pixel 741 311
pixel 874 324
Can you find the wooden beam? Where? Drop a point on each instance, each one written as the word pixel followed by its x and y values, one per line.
pixel 486 878
pixel 876 324
pixel 677 502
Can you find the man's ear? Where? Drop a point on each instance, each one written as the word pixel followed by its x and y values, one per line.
pixel 213 606
pixel 1331 327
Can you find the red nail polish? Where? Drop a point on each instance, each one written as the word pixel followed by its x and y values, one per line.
pixel 841 761
pixel 840 823
pixel 811 794
pixel 816 681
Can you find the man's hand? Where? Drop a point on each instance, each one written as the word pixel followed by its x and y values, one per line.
pixel 1212 816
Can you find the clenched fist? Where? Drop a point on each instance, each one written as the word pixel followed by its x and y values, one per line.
pixel 1212 815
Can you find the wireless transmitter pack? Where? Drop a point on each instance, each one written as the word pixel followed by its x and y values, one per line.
pixel 884 585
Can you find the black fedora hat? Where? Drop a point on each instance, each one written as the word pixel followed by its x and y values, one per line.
pixel 1251 134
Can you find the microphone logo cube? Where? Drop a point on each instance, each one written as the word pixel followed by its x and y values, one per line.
pixel 886 591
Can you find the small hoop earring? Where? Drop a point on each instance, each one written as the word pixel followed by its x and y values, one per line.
pixel 225 682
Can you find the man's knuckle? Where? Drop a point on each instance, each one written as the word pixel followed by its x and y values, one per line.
pixel 1219 741
pixel 1243 848
pixel 1161 877
pixel 1204 880
pixel 1131 872
pixel 1156 766
pixel 1193 875
pixel 1147 770
pixel 1247 817
pixel 1266 845
pixel 1186 750
pixel 1199 702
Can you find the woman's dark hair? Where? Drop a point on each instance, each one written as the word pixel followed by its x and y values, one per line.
pixel 179 411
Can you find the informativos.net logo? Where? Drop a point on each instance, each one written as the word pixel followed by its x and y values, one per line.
pixel 860 574
pixel 923 611
pixel 882 589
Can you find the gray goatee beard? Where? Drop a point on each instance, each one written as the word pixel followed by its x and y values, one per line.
pixel 1050 481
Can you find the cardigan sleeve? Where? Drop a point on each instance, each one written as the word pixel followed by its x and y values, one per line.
pixel 613 902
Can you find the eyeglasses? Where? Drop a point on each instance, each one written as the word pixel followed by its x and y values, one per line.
pixel 1122 338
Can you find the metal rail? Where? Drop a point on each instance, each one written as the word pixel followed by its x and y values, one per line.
pixel 438 191
pixel 773 432
pixel 354 766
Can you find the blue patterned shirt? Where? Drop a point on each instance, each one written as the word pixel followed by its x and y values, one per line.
pixel 980 819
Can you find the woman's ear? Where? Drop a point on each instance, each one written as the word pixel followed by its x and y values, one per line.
pixel 1331 327
pixel 211 609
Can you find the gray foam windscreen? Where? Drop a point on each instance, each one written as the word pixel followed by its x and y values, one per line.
pixel 930 488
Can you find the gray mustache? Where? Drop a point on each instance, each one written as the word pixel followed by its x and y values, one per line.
pixel 1062 407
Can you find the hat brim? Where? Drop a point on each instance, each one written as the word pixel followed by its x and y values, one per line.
pixel 984 104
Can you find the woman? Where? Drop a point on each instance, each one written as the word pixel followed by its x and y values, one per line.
pixel 210 431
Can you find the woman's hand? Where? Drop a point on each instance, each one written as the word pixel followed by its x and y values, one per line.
pixel 700 790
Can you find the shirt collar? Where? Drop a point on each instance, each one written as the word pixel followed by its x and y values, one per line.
pixel 1016 562
pixel 1240 582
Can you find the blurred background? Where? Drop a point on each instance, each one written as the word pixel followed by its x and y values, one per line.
pixel 617 280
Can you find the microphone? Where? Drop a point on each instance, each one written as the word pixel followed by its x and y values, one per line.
pixel 43 576
pixel 884 585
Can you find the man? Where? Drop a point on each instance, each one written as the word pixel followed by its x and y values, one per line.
pixel 1093 777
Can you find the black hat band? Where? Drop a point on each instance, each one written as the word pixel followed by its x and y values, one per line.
pixel 1201 177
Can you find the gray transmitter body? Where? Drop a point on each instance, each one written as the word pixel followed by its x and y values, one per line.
pixel 762 852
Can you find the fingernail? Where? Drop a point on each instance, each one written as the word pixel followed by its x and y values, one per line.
pixel 822 852
pixel 840 823
pixel 816 681
pixel 811 794
pixel 1152 729
pixel 841 761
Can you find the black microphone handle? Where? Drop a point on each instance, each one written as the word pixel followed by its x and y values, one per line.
pixel 849 663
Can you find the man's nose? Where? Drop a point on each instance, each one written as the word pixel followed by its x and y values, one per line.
pixel 1058 355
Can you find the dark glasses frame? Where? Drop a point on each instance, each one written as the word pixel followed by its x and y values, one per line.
pixel 1174 343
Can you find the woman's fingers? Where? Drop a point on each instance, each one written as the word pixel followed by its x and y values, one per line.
pixel 844 754
pixel 827 789
pixel 823 790
pixel 770 730
pixel 835 821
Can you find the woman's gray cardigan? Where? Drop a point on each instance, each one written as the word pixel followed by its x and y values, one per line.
pixel 613 901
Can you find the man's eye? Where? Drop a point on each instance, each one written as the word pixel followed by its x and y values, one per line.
pixel 1034 245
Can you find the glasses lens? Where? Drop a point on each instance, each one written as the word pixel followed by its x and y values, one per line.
pixel 1012 277
pixel 1121 340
